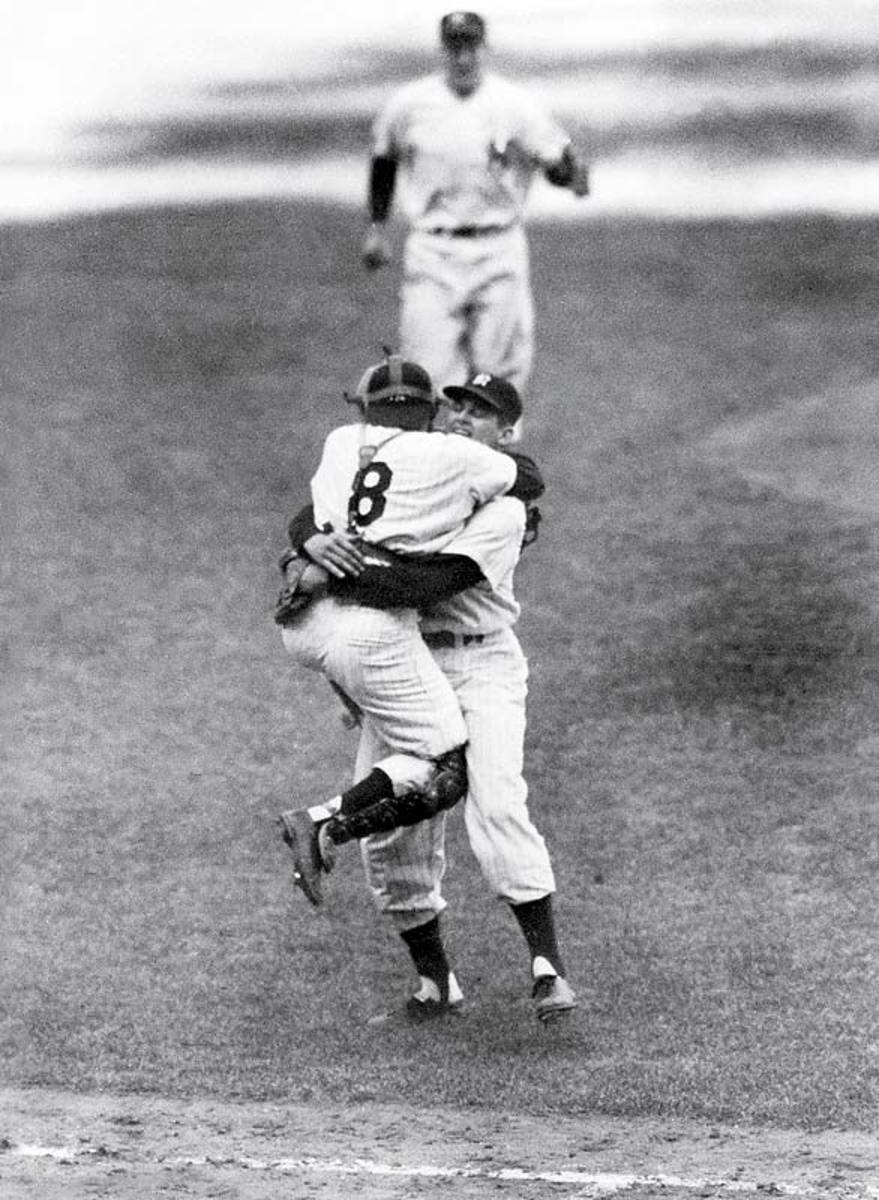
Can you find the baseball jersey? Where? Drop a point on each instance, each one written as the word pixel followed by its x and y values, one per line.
pixel 416 491
pixel 492 538
pixel 465 160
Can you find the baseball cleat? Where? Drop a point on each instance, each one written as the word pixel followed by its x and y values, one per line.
pixel 326 846
pixel 429 1003
pixel 553 998
pixel 421 1011
pixel 432 1000
pixel 301 835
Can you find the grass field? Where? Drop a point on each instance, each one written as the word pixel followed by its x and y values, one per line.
pixel 702 744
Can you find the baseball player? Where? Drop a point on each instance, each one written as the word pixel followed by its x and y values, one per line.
pixel 397 486
pixel 470 633
pixel 465 145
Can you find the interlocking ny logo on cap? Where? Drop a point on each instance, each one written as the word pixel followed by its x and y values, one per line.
pixel 482 379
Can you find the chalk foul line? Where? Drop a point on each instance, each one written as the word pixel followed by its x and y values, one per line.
pixel 598 1183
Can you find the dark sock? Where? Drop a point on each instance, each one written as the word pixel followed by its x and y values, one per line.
pixel 537 922
pixel 376 786
pixel 425 944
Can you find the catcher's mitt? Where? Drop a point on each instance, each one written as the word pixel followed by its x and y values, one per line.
pixel 533 517
pixel 291 601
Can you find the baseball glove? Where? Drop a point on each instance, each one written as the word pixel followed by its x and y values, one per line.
pixel 533 517
pixel 291 601
pixel 528 484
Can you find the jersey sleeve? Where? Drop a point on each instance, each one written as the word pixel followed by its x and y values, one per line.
pixel 331 482
pixel 409 583
pixel 538 132
pixel 386 129
pixel 492 538
pixel 489 473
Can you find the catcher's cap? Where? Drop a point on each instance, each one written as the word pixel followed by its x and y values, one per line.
pixel 498 393
pixel 395 380
pixel 462 28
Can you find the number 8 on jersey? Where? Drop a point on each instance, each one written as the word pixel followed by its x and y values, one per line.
pixel 367 501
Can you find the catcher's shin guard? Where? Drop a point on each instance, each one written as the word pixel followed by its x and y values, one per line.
pixel 447 787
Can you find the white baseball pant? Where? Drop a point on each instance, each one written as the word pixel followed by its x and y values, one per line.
pixel 466 306
pixel 379 660
pixel 404 868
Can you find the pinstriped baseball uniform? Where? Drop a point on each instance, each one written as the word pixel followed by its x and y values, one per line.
pixel 466 166
pixel 489 676
pixel 412 493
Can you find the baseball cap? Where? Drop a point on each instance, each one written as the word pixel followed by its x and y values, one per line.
pixel 498 393
pixel 462 27
pixel 395 379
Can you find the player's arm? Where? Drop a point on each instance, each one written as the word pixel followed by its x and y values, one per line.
pixel 388 136
pixel 396 582
pixel 382 181
pixel 549 147
pixel 409 583
pixel 337 551
pixel 568 171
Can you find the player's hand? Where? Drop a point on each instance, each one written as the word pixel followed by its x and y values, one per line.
pixel 579 184
pixel 376 252
pixel 338 553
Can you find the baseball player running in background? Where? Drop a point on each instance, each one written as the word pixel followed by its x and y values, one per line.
pixel 397 486
pixel 466 145
pixel 470 633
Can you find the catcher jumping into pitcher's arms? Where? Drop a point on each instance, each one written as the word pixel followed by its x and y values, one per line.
pixel 466 145
pixel 397 487
pixel 468 610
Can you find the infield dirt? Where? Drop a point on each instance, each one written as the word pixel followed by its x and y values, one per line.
pixel 131 1147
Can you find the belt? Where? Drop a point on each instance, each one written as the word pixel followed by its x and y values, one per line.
pixel 446 639
pixel 469 231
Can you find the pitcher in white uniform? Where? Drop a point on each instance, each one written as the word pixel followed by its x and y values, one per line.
pixel 465 145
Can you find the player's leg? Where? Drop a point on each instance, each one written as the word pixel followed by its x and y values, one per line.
pixel 490 681
pixel 382 663
pixel 432 324
pixel 501 324
pixel 404 870
pixel 383 799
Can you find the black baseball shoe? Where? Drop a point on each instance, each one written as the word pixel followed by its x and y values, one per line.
pixel 432 1000
pixel 429 1003
pixel 553 998
pixel 300 833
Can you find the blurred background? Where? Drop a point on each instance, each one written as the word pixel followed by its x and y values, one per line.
pixel 685 107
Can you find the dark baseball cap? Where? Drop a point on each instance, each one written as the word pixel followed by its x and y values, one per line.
pixel 395 379
pixel 497 393
pixel 457 28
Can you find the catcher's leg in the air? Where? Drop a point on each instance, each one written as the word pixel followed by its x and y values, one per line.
pixel 380 662
pixel 399 791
